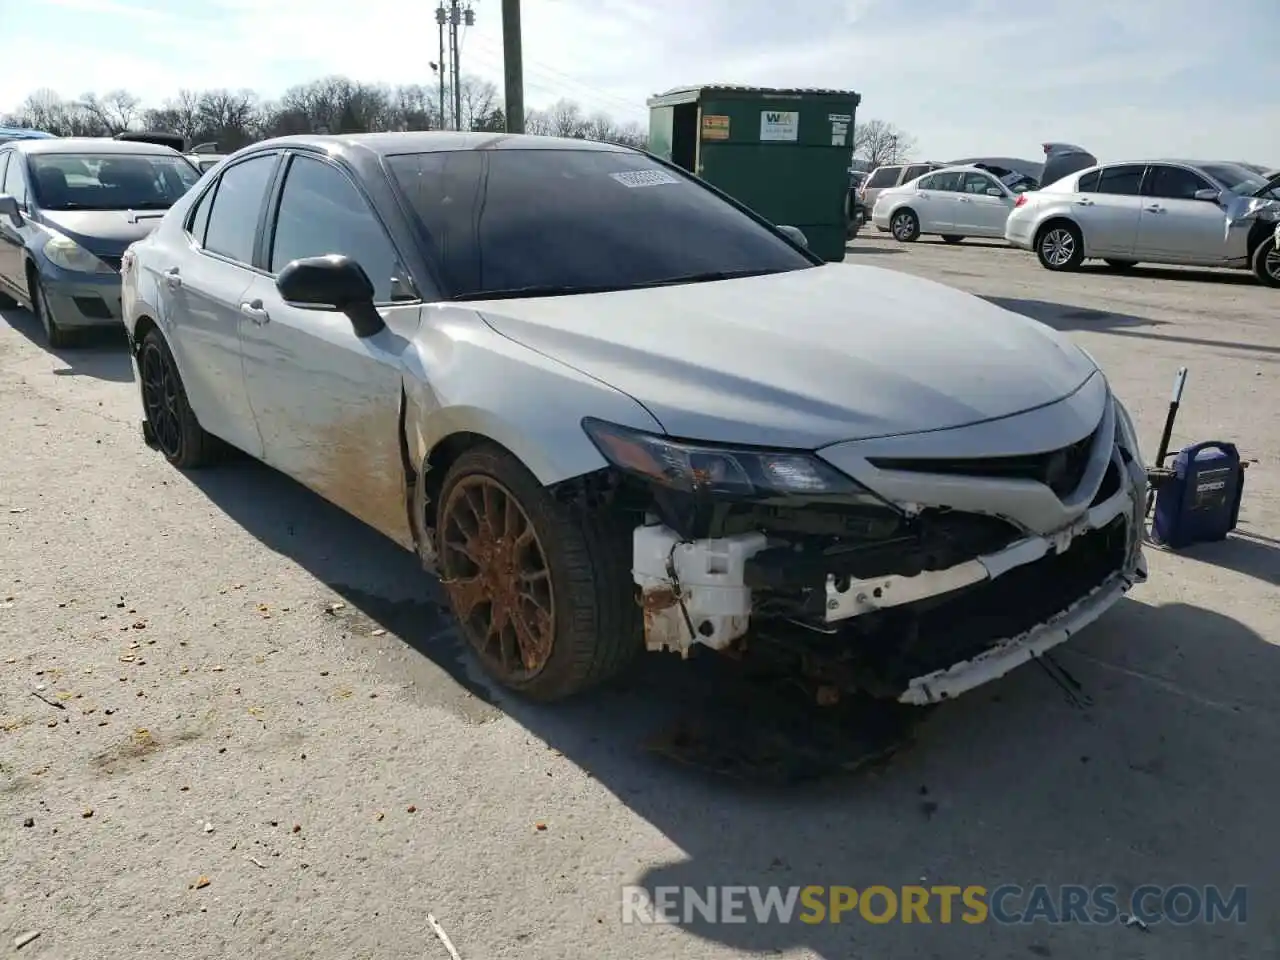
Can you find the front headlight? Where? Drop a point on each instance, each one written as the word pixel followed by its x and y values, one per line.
pixel 721 471
pixel 66 253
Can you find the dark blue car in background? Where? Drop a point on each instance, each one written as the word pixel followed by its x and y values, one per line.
pixel 68 209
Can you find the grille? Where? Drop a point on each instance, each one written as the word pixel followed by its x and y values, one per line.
pixel 1060 470
pixel 1013 603
pixel 112 262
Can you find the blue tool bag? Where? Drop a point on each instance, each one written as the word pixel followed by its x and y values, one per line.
pixel 1201 501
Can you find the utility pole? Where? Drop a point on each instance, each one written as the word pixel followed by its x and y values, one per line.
pixel 442 18
pixel 513 66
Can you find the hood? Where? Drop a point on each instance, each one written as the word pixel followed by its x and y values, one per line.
pixel 803 359
pixel 103 232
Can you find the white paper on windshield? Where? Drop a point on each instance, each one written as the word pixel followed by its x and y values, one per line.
pixel 643 178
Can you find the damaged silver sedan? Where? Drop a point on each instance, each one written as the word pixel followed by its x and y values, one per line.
pixel 614 410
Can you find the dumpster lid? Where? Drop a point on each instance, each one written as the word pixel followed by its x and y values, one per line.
pixel 690 93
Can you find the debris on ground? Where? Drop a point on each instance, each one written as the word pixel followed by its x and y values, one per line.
pixel 412 809
pixel 43 699
pixel 22 939
pixel 334 608
pixel 539 825
pixel 257 863
pixel 444 938
pixel 200 884
pixel 1132 921
pixel 29 822
pixel 208 828
pixel 87 813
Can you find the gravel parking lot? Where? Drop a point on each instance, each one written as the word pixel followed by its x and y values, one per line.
pixel 237 723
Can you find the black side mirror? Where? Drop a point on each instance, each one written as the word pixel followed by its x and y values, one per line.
pixel 9 208
pixel 332 283
pixel 795 235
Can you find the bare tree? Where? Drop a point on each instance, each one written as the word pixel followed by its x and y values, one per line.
pixel 879 142
pixel 115 111
pixel 334 104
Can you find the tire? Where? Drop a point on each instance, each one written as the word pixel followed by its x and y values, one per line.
pixel 57 337
pixel 1266 263
pixel 1059 246
pixel 905 226
pixel 171 423
pixel 1122 264
pixel 951 238
pixel 580 622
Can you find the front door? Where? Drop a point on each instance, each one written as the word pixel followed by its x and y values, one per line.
pixel 983 214
pixel 936 197
pixel 1174 224
pixel 326 401
pixel 12 238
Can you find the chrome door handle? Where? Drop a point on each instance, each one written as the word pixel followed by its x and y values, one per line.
pixel 255 311
pixel 172 279
pixel 1084 203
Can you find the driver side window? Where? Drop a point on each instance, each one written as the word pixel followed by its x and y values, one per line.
pixel 979 183
pixel 321 212
pixel 15 184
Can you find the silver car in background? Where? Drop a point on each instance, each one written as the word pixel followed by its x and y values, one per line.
pixel 954 203
pixel 1204 214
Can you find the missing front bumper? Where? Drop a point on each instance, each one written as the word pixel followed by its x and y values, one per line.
pixel 922 638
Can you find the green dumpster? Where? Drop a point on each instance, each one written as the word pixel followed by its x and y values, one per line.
pixel 784 153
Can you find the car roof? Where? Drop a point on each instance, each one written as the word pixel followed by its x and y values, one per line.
pixel 23 133
pixel 98 145
pixel 432 141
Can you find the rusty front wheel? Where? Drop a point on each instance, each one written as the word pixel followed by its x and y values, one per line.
pixel 497 576
pixel 542 593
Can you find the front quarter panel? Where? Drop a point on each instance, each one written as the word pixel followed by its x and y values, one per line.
pixel 464 377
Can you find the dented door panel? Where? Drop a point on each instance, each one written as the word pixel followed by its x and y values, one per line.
pixel 328 403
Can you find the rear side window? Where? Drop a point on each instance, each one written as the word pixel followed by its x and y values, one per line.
pixel 237 203
pixel 978 183
pixel 198 221
pixel 1089 182
pixel 884 177
pixel 916 170
pixel 1125 180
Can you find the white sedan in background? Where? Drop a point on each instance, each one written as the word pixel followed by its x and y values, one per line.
pixel 955 202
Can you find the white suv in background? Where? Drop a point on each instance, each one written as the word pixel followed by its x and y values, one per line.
pixel 956 202
pixel 891 175
pixel 1203 214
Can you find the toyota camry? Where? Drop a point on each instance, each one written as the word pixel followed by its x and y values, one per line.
pixel 614 410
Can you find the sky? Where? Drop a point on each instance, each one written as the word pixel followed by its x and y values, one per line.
pixel 1125 78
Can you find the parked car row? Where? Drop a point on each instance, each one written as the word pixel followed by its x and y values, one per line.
pixel 409 324
pixel 1174 212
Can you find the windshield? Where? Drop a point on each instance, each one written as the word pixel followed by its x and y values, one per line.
pixel 113 181
pixel 1235 178
pixel 539 221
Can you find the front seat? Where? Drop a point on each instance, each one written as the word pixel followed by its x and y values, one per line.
pixel 51 187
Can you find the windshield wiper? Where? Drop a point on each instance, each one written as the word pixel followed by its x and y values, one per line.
pixel 708 277
pixel 538 290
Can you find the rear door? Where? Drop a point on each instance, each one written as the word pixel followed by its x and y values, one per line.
pixel 1174 225
pixel 936 202
pixel 203 291
pixel 13 183
pixel 1108 207
pixel 981 213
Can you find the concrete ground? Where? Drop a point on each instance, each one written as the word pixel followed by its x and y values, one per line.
pixel 255 735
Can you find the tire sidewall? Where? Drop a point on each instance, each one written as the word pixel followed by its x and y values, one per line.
pixel 1260 255
pixel 187 424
